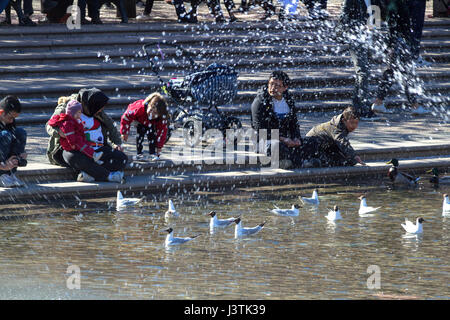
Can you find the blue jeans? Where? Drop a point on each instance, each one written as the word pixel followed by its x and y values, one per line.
pixel 417 13
pixel 12 143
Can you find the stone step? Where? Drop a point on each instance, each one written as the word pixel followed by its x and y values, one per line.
pixel 111 41
pixel 170 67
pixel 61 30
pixel 208 180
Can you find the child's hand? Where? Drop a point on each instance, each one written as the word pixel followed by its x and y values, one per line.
pixel 125 137
pixel 10 164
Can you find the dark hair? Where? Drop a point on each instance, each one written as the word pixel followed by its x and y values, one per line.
pixel 280 75
pixel 10 103
pixel 350 113
pixel 161 105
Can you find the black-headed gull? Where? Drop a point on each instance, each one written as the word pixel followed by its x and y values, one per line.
pixel 413 228
pixel 314 200
pixel 364 208
pixel 446 206
pixel 122 202
pixel 293 212
pixel 334 214
pixel 171 240
pixel 171 212
pixel 240 231
pixel 219 223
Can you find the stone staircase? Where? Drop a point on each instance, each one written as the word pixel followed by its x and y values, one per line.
pixel 40 64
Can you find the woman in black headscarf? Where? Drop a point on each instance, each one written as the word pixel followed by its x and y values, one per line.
pixel 101 134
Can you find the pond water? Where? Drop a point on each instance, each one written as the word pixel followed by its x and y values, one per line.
pixel 121 255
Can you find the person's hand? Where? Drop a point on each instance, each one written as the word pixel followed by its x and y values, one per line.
pixel 358 159
pixel 11 163
pixel 118 147
pixel 296 142
pixel 61 134
pixel 125 137
pixel 23 155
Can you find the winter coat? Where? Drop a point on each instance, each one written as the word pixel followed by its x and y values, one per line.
pixel 90 100
pixel 334 133
pixel 263 115
pixel 74 132
pixel 136 111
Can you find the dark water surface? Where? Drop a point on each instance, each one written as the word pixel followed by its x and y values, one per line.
pixel 121 255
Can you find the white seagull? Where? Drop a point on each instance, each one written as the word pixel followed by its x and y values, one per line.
pixel 314 200
pixel 334 214
pixel 171 240
pixel 171 212
pixel 126 202
pixel 293 212
pixel 219 223
pixel 446 205
pixel 413 228
pixel 363 208
pixel 240 231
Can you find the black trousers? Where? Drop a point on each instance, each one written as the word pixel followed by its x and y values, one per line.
pixel 113 160
pixel 327 152
pixel 142 132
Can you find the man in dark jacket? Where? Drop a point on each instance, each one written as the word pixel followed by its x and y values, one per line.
pixel 274 108
pixel 332 145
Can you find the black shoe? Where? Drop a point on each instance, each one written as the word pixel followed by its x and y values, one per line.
pixel 188 19
pixel 21 162
pixel 85 21
pixel 220 19
pixel 267 15
pixel 233 18
pixel 26 21
pixel 96 21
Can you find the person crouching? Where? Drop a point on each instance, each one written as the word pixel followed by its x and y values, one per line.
pixel 152 121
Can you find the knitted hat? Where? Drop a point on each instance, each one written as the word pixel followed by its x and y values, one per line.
pixel 73 107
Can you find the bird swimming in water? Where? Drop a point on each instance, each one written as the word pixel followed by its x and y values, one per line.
pixel 122 202
pixel 334 214
pixel 171 240
pixel 435 179
pixel 413 228
pixel 446 206
pixel 240 231
pixel 219 223
pixel 398 177
pixel 293 212
pixel 171 212
pixel 364 208
pixel 314 200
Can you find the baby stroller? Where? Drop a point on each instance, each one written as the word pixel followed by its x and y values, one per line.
pixel 197 97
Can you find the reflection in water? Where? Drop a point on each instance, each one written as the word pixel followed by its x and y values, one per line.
pixel 122 254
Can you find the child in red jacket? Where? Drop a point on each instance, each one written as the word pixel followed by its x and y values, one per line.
pixel 152 118
pixel 74 139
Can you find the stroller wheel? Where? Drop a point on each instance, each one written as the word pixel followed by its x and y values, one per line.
pixel 192 135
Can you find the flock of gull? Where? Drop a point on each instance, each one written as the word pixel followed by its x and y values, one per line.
pixel 333 214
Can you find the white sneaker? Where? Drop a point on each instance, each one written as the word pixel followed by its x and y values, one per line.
pixel 143 17
pixel 96 156
pixel 419 111
pixel 115 176
pixel 422 63
pixel 154 157
pixel 84 177
pixel 140 157
pixel 285 164
pixel 380 108
pixel 6 181
pixel 17 181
